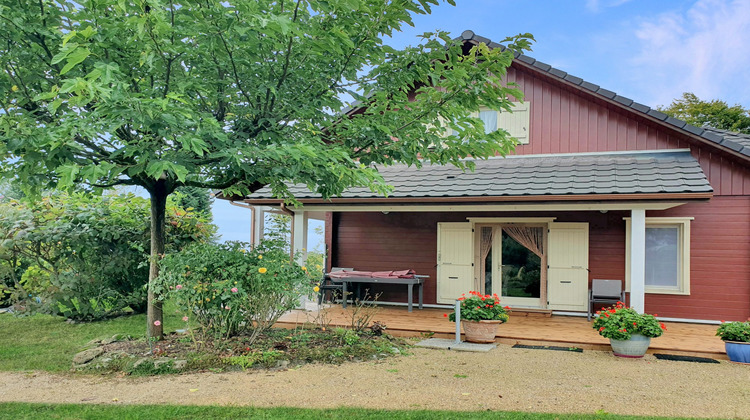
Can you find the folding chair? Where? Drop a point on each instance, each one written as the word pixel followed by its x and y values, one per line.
pixel 605 291
pixel 327 285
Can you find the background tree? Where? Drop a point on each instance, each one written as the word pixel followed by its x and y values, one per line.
pixel 235 95
pixel 199 199
pixel 714 114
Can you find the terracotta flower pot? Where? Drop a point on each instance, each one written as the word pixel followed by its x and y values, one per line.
pixel 480 331
pixel 635 347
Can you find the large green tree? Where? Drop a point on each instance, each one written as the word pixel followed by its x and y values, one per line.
pixel 235 95
pixel 715 113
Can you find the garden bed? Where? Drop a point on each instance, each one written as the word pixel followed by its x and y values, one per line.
pixel 277 348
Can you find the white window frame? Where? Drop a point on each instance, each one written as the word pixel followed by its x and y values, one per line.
pixel 683 225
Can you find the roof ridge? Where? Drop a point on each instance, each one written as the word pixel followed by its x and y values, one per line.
pixel 469 35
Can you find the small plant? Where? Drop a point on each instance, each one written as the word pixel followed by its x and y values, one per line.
pixel 348 337
pixel 246 361
pixel 620 322
pixel 734 331
pixel 479 307
pixel 363 312
pixel 323 318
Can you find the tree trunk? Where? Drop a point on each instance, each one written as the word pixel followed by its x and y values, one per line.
pixel 154 327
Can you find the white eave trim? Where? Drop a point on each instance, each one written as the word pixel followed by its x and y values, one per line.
pixel 488 207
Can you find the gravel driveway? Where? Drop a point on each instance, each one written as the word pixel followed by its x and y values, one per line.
pixel 503 379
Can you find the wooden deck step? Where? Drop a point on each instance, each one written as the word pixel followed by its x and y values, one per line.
pixel 532 327
pixel 547 313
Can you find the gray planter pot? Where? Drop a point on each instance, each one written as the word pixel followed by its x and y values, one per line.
pixel 635 347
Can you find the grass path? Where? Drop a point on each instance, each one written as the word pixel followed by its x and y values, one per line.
pixel 23 411
pixel 48 343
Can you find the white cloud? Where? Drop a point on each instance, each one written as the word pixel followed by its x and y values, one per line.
pixel 704 49
pixel 594 6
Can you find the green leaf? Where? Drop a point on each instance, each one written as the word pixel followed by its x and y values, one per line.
pixel 75 58
pixel 68 174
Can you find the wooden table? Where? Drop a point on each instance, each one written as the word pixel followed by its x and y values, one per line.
pixel 409 283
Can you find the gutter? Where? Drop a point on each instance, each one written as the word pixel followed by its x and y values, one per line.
pixel 488 199
pixel 252 215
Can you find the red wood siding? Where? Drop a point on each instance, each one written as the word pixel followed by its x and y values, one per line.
pixel 565 120
pixel 720 252
pixel 719 262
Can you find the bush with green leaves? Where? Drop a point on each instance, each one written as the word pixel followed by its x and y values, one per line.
pixel 620 323
pixel 734 331
pixel 233 288
pixel 86 256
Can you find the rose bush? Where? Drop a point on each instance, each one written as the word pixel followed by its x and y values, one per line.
pixel 620 322
pixel 232 288
pixel 478 307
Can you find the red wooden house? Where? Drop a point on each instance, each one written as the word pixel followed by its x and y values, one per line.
pixel 600 187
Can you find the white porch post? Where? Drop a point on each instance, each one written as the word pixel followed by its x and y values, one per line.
pixel 299 241
pixel 259 220
pixel 638 259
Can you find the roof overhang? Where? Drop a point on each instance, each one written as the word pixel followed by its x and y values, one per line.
pixel 510 206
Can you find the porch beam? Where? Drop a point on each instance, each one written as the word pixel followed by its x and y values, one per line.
pixel 638 259
pixel 493 207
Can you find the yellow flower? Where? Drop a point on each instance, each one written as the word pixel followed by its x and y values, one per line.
pixel 304 268
pixel 244 251
pixel 316 289
pixel 14 88
pixel 318 266
pixel 260 257
pixel 208 300
pixel 262 270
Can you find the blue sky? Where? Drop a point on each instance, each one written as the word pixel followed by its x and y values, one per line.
pixel 650 51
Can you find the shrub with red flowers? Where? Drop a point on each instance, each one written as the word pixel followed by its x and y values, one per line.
pixel 478 307
pixel 619 322
pixel 734 331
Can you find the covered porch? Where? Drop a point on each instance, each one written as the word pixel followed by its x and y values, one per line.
pixel 529 328
pixel 536 230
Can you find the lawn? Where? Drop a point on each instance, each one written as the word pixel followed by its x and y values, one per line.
pixel 43 342
pixel 20 411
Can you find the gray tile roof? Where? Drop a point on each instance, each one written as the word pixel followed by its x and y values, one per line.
pixel 739 138
pixel 738 143
pixel 655 172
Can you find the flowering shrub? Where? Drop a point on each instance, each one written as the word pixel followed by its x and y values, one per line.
pixel 230 289
pixel 478 307
pixel 85 256
pixel 619 322
pixel 734 331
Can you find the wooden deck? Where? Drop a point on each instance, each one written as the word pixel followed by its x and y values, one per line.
pixel 523 328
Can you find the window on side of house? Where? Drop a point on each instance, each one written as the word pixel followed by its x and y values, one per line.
pixel 516 123
pixel 667 255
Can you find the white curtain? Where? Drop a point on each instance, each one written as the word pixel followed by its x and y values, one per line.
pixel 489 118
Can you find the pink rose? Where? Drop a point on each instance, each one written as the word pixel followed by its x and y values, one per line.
pixel 184 318
pixel 157 323
pixel 234 290
pixel 179 286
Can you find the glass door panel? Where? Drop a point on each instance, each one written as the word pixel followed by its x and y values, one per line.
pixel 521 270
pixel 510 270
